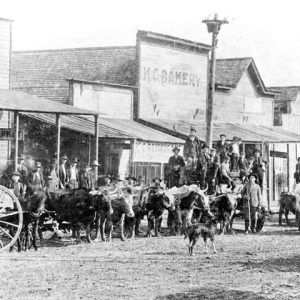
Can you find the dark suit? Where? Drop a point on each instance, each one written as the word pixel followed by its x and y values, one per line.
pixel 259 171
pixel 174 174
pixel 63 179
pixel 222 150
pixel 202 165
pixel 212 171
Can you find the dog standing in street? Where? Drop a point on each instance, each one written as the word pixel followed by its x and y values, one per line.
pixel 206 230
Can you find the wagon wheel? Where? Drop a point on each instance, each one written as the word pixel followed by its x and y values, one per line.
pixel 11 218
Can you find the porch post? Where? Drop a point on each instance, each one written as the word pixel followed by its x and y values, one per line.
pixel 16 138
pixel 57 137
pixel 96 141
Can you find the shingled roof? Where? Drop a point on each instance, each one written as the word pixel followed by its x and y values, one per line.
pixel 44 73
pixel 285 93
pixel 229 71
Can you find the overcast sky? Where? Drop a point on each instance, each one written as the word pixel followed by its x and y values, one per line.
pixel 267 30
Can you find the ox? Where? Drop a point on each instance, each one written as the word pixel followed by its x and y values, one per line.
pixel 195 202
pixel 289 202
pixel 75 207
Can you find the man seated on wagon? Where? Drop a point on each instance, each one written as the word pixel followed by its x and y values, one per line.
pixel 224 174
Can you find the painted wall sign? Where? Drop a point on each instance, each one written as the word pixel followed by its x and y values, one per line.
pixel 278 154
pixel 173 82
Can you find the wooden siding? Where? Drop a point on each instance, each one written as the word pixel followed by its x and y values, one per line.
pixel 172 82
pixel 108 101
pixel 230 107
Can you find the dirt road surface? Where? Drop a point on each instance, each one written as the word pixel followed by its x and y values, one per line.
pixel 256 266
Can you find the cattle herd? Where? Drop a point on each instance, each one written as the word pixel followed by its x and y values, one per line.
pixel 190 211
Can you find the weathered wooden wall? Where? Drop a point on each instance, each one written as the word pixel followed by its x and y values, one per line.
pixel 110 102
pixel 172 82
pixel 243 105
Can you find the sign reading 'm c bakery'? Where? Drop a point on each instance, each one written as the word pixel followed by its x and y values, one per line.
pixel 173 76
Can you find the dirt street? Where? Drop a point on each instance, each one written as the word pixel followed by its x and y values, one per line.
pixel 260 266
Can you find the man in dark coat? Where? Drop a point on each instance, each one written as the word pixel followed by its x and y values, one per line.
pixel 258 168
pixel 176 162
pixel 212 171
pixel 203 160
pixel 63 178
pixel 192 149
pixel 222 147
pixel 36 178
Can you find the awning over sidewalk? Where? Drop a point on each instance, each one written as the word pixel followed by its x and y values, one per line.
pixel 17 101
pixel 247 132
pixel 110 128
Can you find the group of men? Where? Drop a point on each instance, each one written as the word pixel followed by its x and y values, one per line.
pixel 65 175
pixel 212 166
pixel 215 166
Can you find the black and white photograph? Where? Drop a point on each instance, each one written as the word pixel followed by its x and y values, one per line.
pixel 150 149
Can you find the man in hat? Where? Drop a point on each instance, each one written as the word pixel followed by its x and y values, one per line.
pixel 130 180
pixel 156 187
pixel 251 194
pixel 191 150
pixel 222 147
pixel 92 175
pixel 212 170
pixel 21 168
pixel 84 180
pixel 258 168
pixel 16 186
pixel 140 183
pixel 117 181
pixel 73 175
pixel 63 178
pixel 203 160
pixel 176 162
pixel 36 179
pixel 52 180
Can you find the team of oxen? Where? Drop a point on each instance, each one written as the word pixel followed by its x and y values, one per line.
pixel 98 213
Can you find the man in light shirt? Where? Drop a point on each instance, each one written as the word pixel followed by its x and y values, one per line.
pixel 235 154
pixel 72 175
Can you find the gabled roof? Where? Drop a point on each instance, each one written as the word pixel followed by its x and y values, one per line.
pixel 285 93
pixel 247 132
pixel 229 72
pixel 45 72
pixel 17 101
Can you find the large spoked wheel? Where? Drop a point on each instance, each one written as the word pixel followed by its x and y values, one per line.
pixel 11 218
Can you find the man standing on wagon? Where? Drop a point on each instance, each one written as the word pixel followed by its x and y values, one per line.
pixel 176 162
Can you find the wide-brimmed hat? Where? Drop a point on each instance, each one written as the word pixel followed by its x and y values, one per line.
pixel 176 149
pixel 205 146
pixel 38 164
pixel 64 157
pixel 193 129
pixel 15 173
pixel 75 160
pixel 94 163
pixel 22 157
pixel 235 138
pixel 156 178
pixel 222 134
pixel 117 177
pixel 130 177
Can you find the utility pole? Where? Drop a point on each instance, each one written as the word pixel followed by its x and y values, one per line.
pixel 213 26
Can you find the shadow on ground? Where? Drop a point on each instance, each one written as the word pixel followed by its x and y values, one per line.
pixel 213 294
pixel 281 264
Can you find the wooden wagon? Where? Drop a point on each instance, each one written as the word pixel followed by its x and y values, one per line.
pixel 11 218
